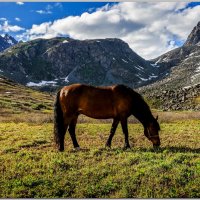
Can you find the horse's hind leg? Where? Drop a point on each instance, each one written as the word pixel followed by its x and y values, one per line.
pixel 125 131
pixel 72 127
pixel 62 138
pixel 112 132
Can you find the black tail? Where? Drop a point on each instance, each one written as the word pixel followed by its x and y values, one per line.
pixel 59 128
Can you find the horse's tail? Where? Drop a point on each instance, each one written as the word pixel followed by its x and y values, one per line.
pixel 59 128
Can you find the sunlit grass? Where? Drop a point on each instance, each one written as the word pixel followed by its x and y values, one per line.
pixel 30 166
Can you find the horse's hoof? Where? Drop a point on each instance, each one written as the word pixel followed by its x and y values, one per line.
pixel 126 147
pixel 107 146
pixel 156 147
pixel 77 148
pixel 61 149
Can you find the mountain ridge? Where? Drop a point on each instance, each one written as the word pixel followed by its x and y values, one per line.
pixel 52 63
pixel 180 86
pixel 194 36
pixel 60 61
pixel 6 41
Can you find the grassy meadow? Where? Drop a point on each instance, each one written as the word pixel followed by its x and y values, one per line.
pixel 31 167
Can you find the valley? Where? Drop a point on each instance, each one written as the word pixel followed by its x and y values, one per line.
pixel 31 166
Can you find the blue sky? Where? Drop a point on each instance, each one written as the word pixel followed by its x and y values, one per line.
pixel 150 29
pixel 29 12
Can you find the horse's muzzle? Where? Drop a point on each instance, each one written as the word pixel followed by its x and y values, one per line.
pixel 156 145
pixel 155 141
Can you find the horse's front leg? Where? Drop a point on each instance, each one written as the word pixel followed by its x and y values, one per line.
pixel 125 131
pixel 112 132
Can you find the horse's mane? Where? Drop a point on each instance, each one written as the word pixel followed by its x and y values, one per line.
pixel 140 108
pixel 145 114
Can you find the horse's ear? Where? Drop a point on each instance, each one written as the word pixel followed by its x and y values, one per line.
pixel 157 118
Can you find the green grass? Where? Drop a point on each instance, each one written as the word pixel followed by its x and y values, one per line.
pixel 30 166
pixel 15 99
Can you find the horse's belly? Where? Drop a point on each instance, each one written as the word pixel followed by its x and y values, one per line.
pixel 97 112
pixel 98 116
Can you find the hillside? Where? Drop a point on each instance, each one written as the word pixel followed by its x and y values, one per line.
pixel 47 64
pixel 17 99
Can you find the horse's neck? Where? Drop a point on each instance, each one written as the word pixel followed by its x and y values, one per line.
pixel 144 116
pixel 143 119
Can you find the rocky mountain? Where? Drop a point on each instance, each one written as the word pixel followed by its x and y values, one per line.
pixel 170 81
pixel 181 66
pixel 180 69
pixel 61 61
pixel 186 98
pixel 194 37
pixel 6 41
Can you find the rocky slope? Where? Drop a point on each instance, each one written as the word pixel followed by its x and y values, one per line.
pixel 6 41
pixel 186 98
pixel 181 71
pixel 61 61
pixel 181 66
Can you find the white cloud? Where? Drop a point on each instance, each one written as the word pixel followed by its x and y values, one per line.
pixel 17 19
pixel 40 29
pixel 43 12
pixel 150 29
pixel 6 27
pixel 3 19
pixel 59 5
pixel 43 30
pixel 47 9
pixel 20 3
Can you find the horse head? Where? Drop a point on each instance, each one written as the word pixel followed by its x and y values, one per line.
pixel 151 131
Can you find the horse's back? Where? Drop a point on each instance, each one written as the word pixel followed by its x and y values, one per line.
pixel 88 91
pixel 97 102
pixel 97 93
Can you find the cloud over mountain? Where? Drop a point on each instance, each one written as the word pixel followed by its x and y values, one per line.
pixel 149 28
pixel 6 27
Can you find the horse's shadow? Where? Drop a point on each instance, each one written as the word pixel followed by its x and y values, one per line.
pixel 171 149
pixel 79 150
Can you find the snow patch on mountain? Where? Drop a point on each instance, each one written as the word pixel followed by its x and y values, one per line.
pixel 65 41
pixel 42 83
pixel 124 60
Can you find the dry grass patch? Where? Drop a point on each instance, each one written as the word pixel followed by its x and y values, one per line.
pixel 34 118
pixel 46 116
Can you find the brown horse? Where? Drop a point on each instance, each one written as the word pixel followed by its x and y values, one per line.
pixel 117 102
